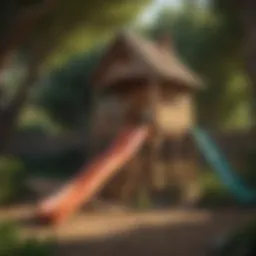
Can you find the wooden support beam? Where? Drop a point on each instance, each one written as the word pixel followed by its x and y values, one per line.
pixel 156 141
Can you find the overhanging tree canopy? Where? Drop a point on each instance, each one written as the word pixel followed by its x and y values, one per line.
pixel 42 29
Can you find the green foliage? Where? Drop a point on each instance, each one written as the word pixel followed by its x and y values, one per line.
pixel 67 95
pixel 12 174
pixel 72 27
pixel 214 193
pixel 34 119
pixel 50 33
pixel 36 248
pixel 9 239
pixel 11 243
pixel 206 42
pixel 61 165
pixel 210 44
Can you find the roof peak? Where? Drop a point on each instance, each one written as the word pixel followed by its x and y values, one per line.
pixel 160 55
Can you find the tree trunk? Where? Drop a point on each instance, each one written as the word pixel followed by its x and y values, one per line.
pixel 19 25
pixel 15 35
pixel 9 115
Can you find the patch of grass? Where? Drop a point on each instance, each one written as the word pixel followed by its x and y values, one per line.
pixel 12 175
pixel 12 244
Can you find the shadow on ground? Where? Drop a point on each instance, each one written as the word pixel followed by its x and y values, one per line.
pixel 178 238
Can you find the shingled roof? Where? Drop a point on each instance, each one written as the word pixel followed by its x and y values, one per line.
pixel 161 59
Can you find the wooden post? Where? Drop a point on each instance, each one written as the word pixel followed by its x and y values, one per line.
pixel 186 178
pixel 156 141
pixel 93 137
pixel 147 173
pixel 133 171
pixel 133 179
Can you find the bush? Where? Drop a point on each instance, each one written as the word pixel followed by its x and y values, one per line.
pixel 62 164
pixel 12 174
pixel 36 248
pixel 11 243
pixel 214 193
pixel 8 239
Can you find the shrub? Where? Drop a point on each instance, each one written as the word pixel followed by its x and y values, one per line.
pixel 11 243
pixel 12 174
pixel 214 193
pixel 62 164
pixel 36 248
pixel 9 239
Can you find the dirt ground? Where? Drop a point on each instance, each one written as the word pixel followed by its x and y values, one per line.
pixel 175 232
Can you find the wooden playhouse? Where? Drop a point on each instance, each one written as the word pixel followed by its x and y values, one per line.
pixel 144 81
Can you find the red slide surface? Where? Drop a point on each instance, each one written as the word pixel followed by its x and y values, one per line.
pixel 92 177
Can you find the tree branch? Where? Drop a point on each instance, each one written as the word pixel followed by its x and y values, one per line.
pixel 23 24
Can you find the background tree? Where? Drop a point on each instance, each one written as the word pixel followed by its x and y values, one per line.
pixel 60 25
pixel 242 15
pixel 66 96
pixel 207 42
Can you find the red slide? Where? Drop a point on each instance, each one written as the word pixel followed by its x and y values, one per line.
pixel 92 177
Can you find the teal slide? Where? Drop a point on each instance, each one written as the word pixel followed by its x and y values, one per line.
pixel 217 160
